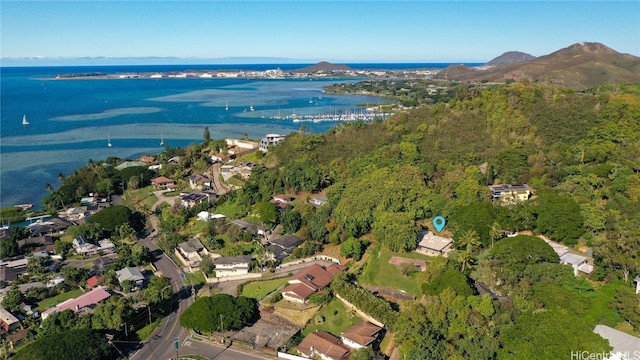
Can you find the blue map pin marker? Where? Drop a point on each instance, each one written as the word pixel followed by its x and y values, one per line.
pixel 439 222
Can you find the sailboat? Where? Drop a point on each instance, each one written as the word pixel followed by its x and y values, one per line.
pixel 108 139
pixel 24 120
pixel 227 106
pixel 161 139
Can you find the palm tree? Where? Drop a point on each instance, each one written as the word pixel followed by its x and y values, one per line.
pixel 465 259
pixel 468 240
pixel 61 177
pixel 495 232
pixel 466 244
pixel 48 187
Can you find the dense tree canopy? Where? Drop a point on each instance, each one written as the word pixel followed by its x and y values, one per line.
pixel 549 335
pixel 69 345
pixel 211 313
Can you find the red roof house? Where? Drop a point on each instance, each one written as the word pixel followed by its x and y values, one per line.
pixel 360 335
pixel 309 280
pixel 85 300
pixel 325 345
pixel 94 281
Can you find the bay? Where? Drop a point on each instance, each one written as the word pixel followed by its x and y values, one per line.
pixel 72 120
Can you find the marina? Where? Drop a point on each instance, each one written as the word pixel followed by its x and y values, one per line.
pixel 348 115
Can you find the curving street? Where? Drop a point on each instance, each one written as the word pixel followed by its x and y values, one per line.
pixel 161 345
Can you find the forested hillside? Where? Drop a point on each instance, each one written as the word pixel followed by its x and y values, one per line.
pixel 386 181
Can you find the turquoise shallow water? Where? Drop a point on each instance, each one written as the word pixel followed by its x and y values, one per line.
pixel 71 120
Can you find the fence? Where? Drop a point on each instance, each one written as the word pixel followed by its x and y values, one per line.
pixel 216 280
pixel 366 316
pixel 282 355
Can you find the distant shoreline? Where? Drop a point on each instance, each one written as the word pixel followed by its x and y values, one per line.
pixel 253 74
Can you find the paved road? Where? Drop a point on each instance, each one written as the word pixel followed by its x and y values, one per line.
pixel 161 345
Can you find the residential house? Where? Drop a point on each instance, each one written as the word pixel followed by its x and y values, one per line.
pixel 131 274
pixel 197 181
pixel 624 345
pixel 174 160
pixel 192 199
pixel 190 251
pixel 82 303
pixel 270 139
pixel 253 229
pixel 85 248
pixel 75 214
pixel 510 194
pixel 163 183
pixel 94 281
pixel 226 266
pixel 148 159
pixel 281 200
pixel 8 322
pixel 228 170
pixel 23 288
pixel 579 263
pixel 309 280
pixel 433 245
pixel 49 227
pixel 281 248
pixel 11 269
pixel 101 264
pixel 38 243
pixel 318 201
pixel 360 335
pixel 323 345
pixel 106 246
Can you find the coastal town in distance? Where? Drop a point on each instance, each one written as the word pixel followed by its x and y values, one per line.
pixel 320 70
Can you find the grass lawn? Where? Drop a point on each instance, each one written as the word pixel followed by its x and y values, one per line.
pixel 196 227
pixel 380 272
pixel 336 318
pixel 235 181
pixel 145 332
pixel 195 278
pixel 52 301
pixel 298 314
pixel 625 327
pixel 149 201
pixel 259 289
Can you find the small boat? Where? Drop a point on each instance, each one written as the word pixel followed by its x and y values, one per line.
pixel 24 120
pixel 227 106
pixel 251 107
pixel 108 140
pixel 161 139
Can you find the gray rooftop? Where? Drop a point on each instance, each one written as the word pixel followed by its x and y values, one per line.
pixel 129 273
pixel 232 260
pixel 573 259
pixel 621 342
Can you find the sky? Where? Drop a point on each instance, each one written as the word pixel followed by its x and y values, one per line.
pixel 309 31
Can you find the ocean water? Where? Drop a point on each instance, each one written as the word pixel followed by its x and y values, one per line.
pixel 71 121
